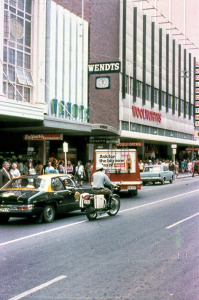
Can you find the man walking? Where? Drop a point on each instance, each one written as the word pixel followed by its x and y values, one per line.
pixel 4 174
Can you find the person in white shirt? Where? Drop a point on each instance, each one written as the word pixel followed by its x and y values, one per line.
pixel 14 172
pixel 79 173
pixel 49 168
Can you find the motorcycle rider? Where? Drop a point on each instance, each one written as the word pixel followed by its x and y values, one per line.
pixel 102 184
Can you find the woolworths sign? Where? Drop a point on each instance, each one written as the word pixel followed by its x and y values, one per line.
pixel 104 67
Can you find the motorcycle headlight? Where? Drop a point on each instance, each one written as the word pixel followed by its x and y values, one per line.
pixel 87 201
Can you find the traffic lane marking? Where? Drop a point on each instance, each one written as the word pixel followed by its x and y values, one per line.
pixel 41 233
pixel 182 221
pixel 80 222
pixel 37 288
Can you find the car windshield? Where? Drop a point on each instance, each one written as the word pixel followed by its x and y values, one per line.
pixel 28 182
pixel 152 169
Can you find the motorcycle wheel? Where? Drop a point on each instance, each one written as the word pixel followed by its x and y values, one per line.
pixel 91 213
pixel 115 205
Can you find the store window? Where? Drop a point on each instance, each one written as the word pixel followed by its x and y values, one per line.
pixel 17 50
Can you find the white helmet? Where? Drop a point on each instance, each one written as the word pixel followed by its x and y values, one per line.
pixel 99 167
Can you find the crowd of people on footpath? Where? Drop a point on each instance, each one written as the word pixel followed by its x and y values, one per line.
pixel 186 165
pixel 11 169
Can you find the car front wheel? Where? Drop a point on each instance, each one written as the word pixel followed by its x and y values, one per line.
pixel 163 181
pixel 49 213
pixel 171 180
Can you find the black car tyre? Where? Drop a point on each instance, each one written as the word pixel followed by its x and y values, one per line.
pixel 171 180
pixel 4 219
pixel 91 213
pixel 135 192
pixel 115 206
pixel 163 181
pixel 144 183
pixel 49 213
pixel 153 182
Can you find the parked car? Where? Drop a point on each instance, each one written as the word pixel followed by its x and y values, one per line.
pixel 43 196
pixel 157 173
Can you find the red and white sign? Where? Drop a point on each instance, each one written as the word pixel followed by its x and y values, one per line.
pixel 197 103
pixel 197 124
pixel 43 137
pixel 197 97
pixel 135 144
pixel 146 114
pixel 197 117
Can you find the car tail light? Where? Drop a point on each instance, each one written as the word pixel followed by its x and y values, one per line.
pixel 25 207
pixel 159 175
pixel 86 197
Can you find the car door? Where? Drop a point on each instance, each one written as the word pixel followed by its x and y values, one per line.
pixel 60 195
pixel 69 186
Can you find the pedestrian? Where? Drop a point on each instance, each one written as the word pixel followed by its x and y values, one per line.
pixel 4 174
pixel 61 168
pixel 88 170
pixel 189 166
pixel 177 168
pixel 195 168
pixel 141 166
pixel 49 168
pixel 79 173
pixel 183 165
pixel 56 168
pixel 14 172
pixel 31 169
pixel 69 167
pixel 39 167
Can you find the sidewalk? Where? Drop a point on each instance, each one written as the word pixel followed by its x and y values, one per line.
pixel 185 175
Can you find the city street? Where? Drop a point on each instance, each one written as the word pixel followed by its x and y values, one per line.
pixel 148 251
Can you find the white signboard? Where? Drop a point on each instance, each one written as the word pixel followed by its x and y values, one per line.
pixel 123 161
pixel 65 147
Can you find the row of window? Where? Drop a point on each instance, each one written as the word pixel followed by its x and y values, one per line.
pixel 17 78
pixel 139 94
pixel 24 5
pixel 156 131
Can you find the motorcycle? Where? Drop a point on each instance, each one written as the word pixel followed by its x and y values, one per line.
pixel 95 204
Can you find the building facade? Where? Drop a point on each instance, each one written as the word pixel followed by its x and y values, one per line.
pixel 43 79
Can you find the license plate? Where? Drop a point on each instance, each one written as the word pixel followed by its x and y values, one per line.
pixel 4 209
pixel 131 188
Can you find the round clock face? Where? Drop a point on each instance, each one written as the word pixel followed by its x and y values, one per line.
pixel 102 82
pixel 16 29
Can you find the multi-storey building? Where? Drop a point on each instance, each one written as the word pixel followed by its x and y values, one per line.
pixel 151 99
pixel 43 79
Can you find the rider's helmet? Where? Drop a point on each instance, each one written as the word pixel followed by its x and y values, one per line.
pixel 99 167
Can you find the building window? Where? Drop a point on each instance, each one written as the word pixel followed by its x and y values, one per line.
pixel 148 92
pixel 156 96
pixel 131 86
pixel 182 106
pixel 176 104
pixel 163 99
pixel 17 49
pixel 139 89
pixel 125 125
pixel 127 84
pixel 170 101
pixel 27 94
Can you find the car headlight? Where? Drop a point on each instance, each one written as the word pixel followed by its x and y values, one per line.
pixel 87 201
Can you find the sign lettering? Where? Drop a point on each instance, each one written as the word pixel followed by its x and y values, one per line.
pixel 104 67
pixel 146 114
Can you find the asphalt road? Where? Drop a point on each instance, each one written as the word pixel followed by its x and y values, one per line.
pixel 150 250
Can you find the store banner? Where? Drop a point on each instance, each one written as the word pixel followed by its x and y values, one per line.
pixel 197 95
